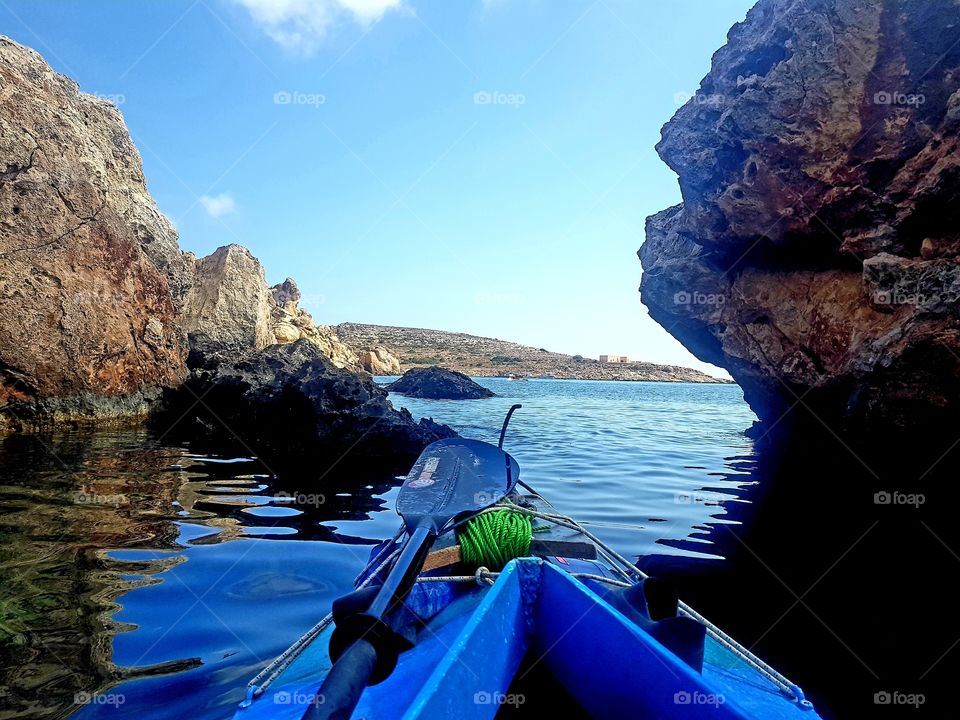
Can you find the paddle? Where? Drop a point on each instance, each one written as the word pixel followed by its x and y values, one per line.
pixel 452 478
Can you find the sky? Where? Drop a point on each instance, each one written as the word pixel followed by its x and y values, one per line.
pixel 480 166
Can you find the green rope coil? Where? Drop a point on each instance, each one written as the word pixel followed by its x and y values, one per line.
pixel 492 539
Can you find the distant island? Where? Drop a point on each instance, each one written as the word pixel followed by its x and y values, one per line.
pixel 489 357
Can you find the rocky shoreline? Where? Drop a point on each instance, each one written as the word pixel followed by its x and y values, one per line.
pixel 477 356
pixel 104 321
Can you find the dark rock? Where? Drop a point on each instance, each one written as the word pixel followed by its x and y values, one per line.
pixel 815 253
pixel 437 383
pixel 296 411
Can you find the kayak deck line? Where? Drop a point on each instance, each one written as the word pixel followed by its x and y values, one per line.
pixel 622 574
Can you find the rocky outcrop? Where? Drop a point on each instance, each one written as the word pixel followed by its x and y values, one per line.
pixel 291 323
pixel 379 361
pixel 435 383
pixel 815 255
pixel 229 304
pixel 101 313
pixel 286 398
pixel 88 265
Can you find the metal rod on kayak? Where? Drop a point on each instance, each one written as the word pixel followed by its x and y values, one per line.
pixel 506 421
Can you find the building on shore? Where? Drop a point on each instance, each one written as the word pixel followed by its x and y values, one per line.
pixel 614 359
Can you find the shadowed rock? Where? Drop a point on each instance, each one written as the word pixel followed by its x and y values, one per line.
pixel 815 253
pixel 292 407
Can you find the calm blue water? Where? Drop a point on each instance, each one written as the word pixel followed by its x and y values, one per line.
pixel 174 557
pixel 649 466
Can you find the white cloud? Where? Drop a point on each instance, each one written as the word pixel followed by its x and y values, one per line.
pixel 302 25
pixel 218 205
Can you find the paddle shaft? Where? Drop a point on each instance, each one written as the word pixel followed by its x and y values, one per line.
pixel 404 573
pixel 345 683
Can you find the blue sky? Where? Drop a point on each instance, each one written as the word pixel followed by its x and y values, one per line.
pixel 474 165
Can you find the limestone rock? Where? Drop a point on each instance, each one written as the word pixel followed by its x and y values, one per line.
pixel 815 253
pixel 379 361
pixel 291 323
pixel 229 301
pixel 87 321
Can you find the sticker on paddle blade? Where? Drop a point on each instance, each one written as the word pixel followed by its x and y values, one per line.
pixel 426 477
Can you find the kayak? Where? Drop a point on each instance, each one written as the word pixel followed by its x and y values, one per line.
pixel 568 623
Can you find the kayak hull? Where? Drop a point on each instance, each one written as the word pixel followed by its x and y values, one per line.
pixel 555 613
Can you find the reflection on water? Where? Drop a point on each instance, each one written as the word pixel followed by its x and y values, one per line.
pixel 142 579
pixel 109 573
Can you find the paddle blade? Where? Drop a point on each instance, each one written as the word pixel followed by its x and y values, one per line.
pixel 452 477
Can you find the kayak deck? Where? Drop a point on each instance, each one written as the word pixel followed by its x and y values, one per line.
pixel 477 629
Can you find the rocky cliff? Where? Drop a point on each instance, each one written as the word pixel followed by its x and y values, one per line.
pixel 104 319
pixel 87 316
pixel 815 253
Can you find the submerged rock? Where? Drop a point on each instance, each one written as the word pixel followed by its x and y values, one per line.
pixel 294 409
pixel 437 383
pixel 815 255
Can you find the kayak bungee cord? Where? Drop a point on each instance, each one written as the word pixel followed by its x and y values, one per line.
pixel 492 539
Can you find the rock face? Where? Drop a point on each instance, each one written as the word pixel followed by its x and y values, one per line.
pixel 88 265
pixel 435 383
pixel 291 397
pixel 816 254
pixel 101 312
pixel 229 301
